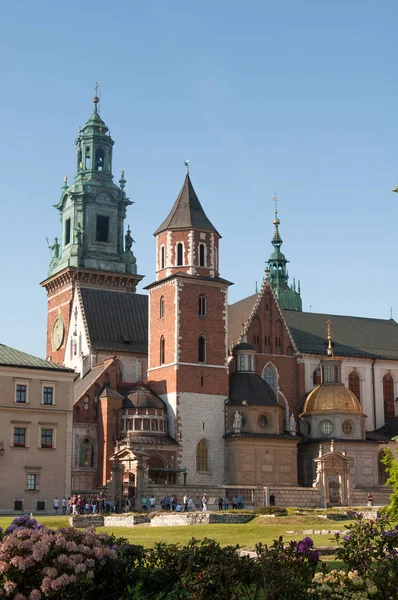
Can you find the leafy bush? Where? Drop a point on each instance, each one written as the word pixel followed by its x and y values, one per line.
pixel 271 510
pixel 285 571
pixel 36 562
pixel 371 548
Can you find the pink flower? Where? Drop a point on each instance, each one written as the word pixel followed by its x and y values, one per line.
pixel 35 595
pixel 19 597
pixel 10 586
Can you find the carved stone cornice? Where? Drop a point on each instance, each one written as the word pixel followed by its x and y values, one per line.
pixel 91 278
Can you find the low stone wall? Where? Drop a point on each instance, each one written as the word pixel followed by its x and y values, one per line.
pixel 286 496
pixel 198 518
pixel 83 521
pixel 127 520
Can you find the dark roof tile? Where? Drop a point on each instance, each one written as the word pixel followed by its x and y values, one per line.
pixel 116 320
pixel 187 212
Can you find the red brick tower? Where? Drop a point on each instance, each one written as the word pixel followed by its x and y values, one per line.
pixel 188 336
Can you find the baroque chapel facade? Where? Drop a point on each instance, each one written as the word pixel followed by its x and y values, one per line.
pixel 177 388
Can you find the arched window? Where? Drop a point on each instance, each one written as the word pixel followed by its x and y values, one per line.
pixel 250 362
pixel 180 255
pixel 316 376
pixel 162 257
pixel 162 350
pixel 202 456
pixel 354 384
pixel 86 453
pixel 202 305
pixel 242 362
pixel 202 255
pixel 388 397
pixel 202 349
pixel 161 307
pixel 382 473
pixel 99 160
pixel 271 377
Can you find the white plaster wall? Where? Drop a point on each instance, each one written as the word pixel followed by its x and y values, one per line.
pixel 171 402
pixel 76 329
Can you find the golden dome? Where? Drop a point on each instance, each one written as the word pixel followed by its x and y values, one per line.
pixel 332 398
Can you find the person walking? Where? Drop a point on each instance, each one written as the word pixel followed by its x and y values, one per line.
pixel 152 502
pixel 204 502
pixel 74 505
pixel 190 505
pixel 226 503
pixel 56 505
pixel 220 503
pixel 370 499
pixel 64 505
pixel 185 500
pixel 144 503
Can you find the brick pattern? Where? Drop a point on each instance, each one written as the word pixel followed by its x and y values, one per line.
pixel 191 240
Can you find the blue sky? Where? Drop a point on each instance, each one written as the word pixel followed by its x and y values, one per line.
pixel 293 97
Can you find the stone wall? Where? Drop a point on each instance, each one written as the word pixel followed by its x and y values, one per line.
pixel 127 520
pixel 198 518
pixel 295 496
pixel 84 521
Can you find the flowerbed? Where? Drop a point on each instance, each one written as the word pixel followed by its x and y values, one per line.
pixel 66 564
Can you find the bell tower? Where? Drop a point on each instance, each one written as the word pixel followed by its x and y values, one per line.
pixel 92 249
pixel 188 336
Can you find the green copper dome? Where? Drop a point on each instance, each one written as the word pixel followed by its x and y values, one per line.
pixel 288 296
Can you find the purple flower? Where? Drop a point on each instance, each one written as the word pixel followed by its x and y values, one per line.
pixel 304 545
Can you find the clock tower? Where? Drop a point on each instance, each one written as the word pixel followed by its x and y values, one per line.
pixel 92 250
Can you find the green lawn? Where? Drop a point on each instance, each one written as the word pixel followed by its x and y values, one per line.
pixel 260 529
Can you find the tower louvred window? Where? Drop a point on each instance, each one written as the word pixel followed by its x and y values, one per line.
pixel 202 305
pixel 202 456
pixel 99 159
pixel 202 256
pixel 180 255
pixel 202 349
pixel 162 350
pixel 161 307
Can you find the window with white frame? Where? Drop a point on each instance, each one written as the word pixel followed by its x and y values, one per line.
pixel 32 475
pixel 271 377
pixel 180 254
pixel 202 255
pixel 20 437
pixel 48 394
pixel 21 392
pixel 47 437
pixel 162 257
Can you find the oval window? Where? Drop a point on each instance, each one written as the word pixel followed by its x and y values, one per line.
pixel 347 427
pixel 263 421
pixel 326 427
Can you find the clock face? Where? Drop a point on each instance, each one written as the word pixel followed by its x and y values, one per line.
pixel 58 333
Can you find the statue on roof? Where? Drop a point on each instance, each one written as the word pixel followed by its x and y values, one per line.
pixel 54 248
pixel 238 420
pixel 292 425
pixel 128 240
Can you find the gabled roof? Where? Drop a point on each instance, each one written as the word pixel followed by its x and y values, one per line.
pixel 236 313
pixel 116 321
pixel 352 336
pixel 83 385
pixel 15 358
pixel 187 212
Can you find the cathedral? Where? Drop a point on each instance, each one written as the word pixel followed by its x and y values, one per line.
pixel 178 390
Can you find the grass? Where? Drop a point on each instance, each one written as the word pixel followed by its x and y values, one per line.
pixel 260 529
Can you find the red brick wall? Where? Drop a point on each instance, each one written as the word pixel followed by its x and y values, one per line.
pixel 184 237
pixel 192 377
pixel 269 335
pixel 58 304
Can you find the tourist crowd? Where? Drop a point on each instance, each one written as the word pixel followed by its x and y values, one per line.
pixel 188 504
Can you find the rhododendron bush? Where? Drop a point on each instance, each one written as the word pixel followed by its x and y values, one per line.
pixel 36 562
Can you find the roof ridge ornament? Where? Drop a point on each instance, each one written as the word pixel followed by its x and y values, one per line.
pixel 96 99
pixel 330 349
pixel 186 163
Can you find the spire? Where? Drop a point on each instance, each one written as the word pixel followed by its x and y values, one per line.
pixel 187 212
pixel 288 297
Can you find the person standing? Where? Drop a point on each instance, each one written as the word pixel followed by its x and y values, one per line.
pixel 204 502
pixel 185 500
pixel 226 503
pixel 74 505
pixel 190 505
pixel 152 503
pixel 56 505
pixel 370 499
pixel 144 503
pixel 64 505
pixel 220 502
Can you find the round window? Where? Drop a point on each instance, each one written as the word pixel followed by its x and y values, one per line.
pixel 347 427
pixel 263 421
pixel 326 427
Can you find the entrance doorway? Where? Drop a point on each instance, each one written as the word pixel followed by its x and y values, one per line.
pixel 334 489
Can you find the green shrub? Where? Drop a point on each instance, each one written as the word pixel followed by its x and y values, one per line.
pixel 271 510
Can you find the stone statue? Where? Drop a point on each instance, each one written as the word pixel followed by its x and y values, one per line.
pixel 238 421
pixel 79 235
pixel 55 248
pixel 292 425
pixel 128 240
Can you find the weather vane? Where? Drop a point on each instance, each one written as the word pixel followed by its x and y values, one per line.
pixel 186 163
pixel 96 89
